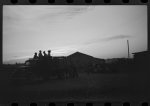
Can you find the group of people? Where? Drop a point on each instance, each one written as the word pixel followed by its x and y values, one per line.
pixel 40 55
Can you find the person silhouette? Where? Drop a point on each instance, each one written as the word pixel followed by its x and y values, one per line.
pixel 49 54
pixel 40 54
pixel 45 55
pixel 35 55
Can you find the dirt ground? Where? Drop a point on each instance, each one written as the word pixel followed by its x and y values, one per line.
pixel 117 86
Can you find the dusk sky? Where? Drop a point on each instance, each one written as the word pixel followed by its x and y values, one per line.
pixel 99 31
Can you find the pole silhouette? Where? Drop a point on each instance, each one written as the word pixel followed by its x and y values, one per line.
pixel 128 49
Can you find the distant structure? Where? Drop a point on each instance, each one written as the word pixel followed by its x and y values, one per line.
pixel 128 49
pixel 141 57
pixel 81 60
pixel 142 60
pixel 78 59
pixel 46 68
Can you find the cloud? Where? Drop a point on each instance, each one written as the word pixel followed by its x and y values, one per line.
pixel 33 16
pixel 76 10
pixel 62 13
pixel 64 50
pixel 19 57
pixel 116 37
pixel 43 12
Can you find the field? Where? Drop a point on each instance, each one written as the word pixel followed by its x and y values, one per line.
pixel 113 87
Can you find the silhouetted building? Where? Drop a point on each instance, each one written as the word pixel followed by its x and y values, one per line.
pixel 142 59
pixel 83 61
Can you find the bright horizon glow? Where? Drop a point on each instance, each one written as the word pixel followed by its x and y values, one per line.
pixel 99 31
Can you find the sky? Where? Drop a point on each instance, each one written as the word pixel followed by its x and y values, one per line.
pixel 99 31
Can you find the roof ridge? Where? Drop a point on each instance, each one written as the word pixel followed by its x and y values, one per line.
pixel 80 53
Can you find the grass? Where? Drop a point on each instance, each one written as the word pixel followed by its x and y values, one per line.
pixel 86 87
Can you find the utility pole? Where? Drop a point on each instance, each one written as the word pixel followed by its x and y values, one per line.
pixel 128 49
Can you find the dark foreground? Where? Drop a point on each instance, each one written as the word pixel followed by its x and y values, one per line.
pixel 93 87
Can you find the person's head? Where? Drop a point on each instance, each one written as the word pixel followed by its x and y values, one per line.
pixel 35 53
pixel 49 51
pixel 44 52
pixel 40 51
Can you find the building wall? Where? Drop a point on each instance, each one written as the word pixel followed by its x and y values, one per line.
pixel 142 61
